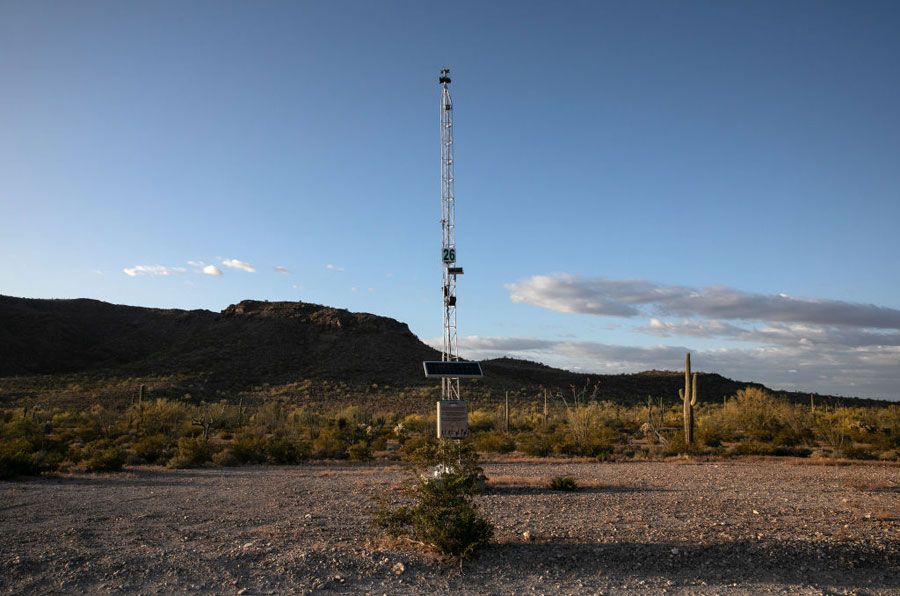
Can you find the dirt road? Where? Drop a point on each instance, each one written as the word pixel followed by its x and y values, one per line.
pixel 767 526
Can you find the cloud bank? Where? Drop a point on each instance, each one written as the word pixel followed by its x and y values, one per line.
pixel 824 345
pixel 630 298
pixel 863 371
pixel 212 270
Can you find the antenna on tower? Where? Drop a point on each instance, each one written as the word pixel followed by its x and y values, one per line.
pixel 450 369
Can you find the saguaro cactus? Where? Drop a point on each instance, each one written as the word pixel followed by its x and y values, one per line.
pixel 688 397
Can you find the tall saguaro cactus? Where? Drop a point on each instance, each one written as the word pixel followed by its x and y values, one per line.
pixel 688 397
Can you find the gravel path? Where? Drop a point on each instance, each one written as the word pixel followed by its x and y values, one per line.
pixel 741 527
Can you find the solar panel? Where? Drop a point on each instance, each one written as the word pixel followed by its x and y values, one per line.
pixel 453 369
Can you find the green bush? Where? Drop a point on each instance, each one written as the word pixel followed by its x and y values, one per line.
pixel 225 458
pixel 152 449
pixel 360 451
pixel 102 456
pixel 751 448
pixel 563 483
pixel 493 442
pixel 791 451
pixel 481 421
pixel 192 452
pixel 249 449
pixel 17 459
pixel 330 444
pixel 535 444
pixel 856 452
pixel 676 445
pixel 441 514
pixel 281 450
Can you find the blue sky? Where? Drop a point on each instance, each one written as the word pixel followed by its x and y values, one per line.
pixel 624 172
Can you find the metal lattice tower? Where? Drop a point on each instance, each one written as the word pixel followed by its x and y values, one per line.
pixel 449 386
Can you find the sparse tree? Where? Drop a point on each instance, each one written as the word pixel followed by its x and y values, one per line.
pixel 208 417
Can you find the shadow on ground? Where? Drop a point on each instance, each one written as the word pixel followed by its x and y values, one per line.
pixel 785 562
pixel 524 489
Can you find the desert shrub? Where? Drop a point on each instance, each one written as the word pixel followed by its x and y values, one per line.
pixel 271 417
pixel 599 442
pixel 857 452
pixel 162 417
pixel 330 444
pixel 282 450
pixel 481 421
pixel 588 431
pixel 676 445
pixel 379 443
pixel 832 428
pixel 493 442
pixel 249 449
pixel 709 434
pixel 192 452
pixel 889 455
pixel 535 444
pixel 412 444
pixel 152 449
pixel 791 451
pixel 563 483
pixel 414 424
pixel 102 456
pixel 751 448
pixel 17 459
pixel 360 451
pixel 226 458
pixel 441 513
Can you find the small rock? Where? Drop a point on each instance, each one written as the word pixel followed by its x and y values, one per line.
pixel 398 568
pixel 526 536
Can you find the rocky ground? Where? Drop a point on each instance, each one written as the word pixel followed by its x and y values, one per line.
pixel 741 527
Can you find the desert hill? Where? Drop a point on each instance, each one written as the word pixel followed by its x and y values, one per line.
pixel 256 342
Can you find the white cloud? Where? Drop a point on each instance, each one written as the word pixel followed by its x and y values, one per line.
pixel 236 264
pixel 196 263
pixel 629 298
pixel 152 270
pixel 212 270
pixel 281 269
pixel 332 267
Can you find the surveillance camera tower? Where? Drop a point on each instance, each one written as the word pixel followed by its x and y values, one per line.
pixel 450 352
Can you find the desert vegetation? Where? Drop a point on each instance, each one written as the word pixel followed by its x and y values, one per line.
pixel 182 433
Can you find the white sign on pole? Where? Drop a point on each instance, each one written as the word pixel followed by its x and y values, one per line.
pixel 452 419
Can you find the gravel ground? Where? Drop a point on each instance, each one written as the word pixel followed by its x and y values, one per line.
pixel 729 527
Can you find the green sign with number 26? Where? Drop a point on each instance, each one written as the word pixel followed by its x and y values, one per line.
pixel 449 255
